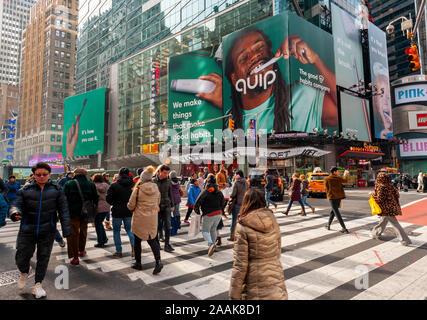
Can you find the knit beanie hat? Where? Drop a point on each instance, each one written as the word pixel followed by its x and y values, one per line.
pixel 147 174
pixel 173 174
pixel 124 172
pixel 139 171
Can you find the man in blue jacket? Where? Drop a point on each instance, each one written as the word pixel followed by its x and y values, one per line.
pixel 12 188
pixel 38 206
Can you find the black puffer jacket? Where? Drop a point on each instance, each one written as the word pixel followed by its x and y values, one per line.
pixel 165 188
pixel 210 200
pixel 40 209
pixel 118 195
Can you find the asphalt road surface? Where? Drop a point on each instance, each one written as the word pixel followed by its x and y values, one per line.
pixel 318 264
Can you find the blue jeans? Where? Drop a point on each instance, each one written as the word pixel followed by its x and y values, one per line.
pixel 234 216
pixel 267 198
pixel 176 211
pixel 101 236
pixel 107 216
pixel 209 225
pixel 117 226
pixel 58 237
pixel 292 201
pixel 304 201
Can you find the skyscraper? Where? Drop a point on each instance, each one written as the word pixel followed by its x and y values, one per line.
pixel 383 12
pixel 48 59
pixel 14 15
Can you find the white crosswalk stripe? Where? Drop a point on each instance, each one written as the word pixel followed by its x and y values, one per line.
pixel 313 258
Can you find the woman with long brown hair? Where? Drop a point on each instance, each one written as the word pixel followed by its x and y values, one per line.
pixel 257 271
pixel 295 194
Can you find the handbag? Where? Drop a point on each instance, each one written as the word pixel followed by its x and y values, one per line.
pixel 181 193
pixel 88 207
pixel 375 208
pixel 194 227
pixel 231 204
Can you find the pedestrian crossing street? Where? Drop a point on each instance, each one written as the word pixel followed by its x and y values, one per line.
pixel 318 264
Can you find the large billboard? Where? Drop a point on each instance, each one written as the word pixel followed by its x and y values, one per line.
pixel 55 161
pixel 383 122
pixel 84 116
pixel 355 113
pixel 355 122
pixel 347 47
pixel 279 75
pixel 195 87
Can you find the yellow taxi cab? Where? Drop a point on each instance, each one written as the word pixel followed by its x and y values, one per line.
pixel 316 184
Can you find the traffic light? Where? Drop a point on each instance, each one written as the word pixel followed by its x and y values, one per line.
pixel 413 58
pixel 231 124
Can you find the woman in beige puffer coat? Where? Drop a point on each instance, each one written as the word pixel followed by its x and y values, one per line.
pixel 144 203
pixel 257 271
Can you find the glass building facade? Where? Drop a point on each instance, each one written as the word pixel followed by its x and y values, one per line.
pixel 139 36
pixel 383 13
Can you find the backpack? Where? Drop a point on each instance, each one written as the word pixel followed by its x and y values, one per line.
pixel 88 207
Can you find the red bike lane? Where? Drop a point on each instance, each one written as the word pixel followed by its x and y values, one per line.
pixel 415 213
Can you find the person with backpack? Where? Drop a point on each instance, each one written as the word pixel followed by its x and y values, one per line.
pixel 101 211
pixel 212 203
pixel 38 206
pixel 144 203
pixel 269 182
pixel 193 194
pixel 304 192
pixel 239 189
pixel 79 190
pixel 118 197
pixel 176 194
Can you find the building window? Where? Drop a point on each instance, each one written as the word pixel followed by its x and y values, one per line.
pixel 58 138
pixel 52 138
pixel 53 127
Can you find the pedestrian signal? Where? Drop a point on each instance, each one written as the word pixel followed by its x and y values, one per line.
pixel 413 58
pixel 231 124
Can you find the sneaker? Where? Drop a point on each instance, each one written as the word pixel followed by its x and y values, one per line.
pixel 82 254
pixel 211 250
pixel 158 267
pixel 168 248
pixel 218 241
pixel 23 279
pixel 75 261
pixel 328 227
pixel 38 291
pixel 99 245
pixel 61 244
pixel 405 243
pixel 344 231
pixel 136 266
pixel 117 255
pixel 186 222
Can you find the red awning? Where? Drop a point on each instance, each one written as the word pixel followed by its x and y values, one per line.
pixel 361 154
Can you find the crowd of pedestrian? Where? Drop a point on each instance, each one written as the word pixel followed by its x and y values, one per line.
pixel 147 205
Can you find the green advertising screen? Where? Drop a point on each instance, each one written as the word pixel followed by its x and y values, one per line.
pixel 84 116
pixel 195 80
pixel 279 75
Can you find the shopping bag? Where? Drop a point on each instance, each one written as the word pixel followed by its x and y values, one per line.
pixel 375 208
pixel 194 227
pixel 226 193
